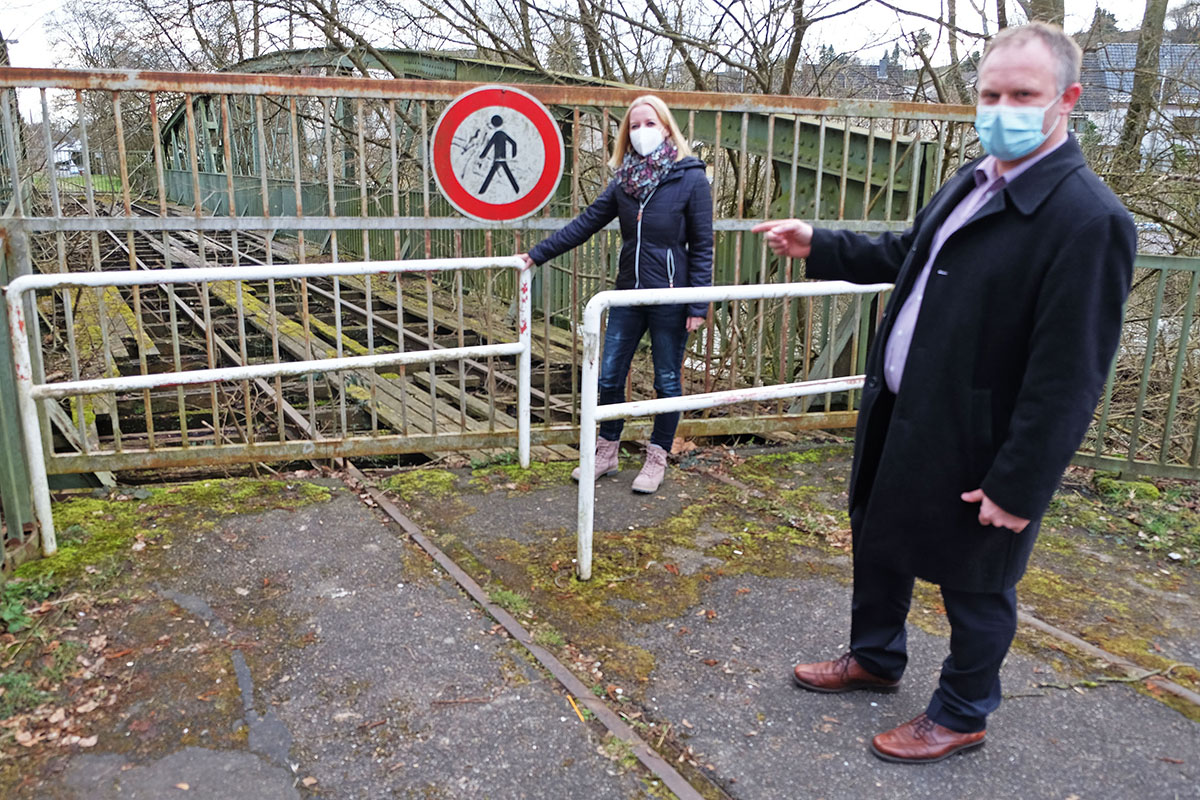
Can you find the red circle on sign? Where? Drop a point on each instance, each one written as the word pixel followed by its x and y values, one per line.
pixel 552 147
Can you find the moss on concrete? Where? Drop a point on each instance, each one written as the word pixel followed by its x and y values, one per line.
pixel 431 484
pixel 539 475
pixel 98 531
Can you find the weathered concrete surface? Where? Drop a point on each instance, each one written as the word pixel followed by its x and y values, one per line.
pixel 721 682
pixel 314 651
pixel 360 671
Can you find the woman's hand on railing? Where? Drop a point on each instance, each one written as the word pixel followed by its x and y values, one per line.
pixel 528 261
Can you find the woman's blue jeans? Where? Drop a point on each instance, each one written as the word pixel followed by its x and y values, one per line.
pixel 668 337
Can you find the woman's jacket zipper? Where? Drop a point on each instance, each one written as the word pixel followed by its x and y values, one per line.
pixel 637 253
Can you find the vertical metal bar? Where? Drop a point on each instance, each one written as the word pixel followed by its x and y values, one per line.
pixel 172 314
pixel 269 235
pixel 198 209
pixel 735 306
pixel 459 301
pixel 915 181
pixel 1144 385
pixel 301 256
pixel 786 350
pixel 768 168
pixel 339 378
pixel 868 174
pixel 524 362
pixel 1106 405
pixel 943 129
pixel 820 169
pixel 39 486
pixel 589 395
pixel 711 333
pixel 829 335
pixel 808 335
pixel 247 390
pixel 94 239
pixel 426 181
pixel 403 381
pixel 51 167
pixel 891 172
pixel 845 170
pixel 490 378
pixel 1185 327
pixel 127 204
pixel 576 135
pixel 364 209
pixel 13 151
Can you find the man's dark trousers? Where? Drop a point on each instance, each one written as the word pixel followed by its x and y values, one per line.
pixel 982 626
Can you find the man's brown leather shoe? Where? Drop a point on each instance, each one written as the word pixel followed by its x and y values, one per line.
pixel 922 741
pixel 841 675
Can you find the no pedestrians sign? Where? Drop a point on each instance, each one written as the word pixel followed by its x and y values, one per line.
pixel 497 154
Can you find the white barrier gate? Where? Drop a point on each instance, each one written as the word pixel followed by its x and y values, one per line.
pixel 591 413
pixel 29 392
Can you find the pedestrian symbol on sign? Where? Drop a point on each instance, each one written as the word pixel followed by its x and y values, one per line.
pixel 499 144
pixel 496 153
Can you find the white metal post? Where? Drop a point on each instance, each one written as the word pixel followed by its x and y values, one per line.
pixel 587 434
pixel 525 361
pixel 39 486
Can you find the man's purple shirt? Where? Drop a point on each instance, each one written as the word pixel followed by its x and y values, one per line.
pixel 987 184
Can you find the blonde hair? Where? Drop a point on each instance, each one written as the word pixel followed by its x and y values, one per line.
pixel 1063 49
pixel 621 143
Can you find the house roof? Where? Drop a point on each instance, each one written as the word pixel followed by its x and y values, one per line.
pixel 1108 70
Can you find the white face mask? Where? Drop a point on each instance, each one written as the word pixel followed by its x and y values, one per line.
pixel 646 139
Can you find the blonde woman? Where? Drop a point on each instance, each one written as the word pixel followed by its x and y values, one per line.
pixel 661 195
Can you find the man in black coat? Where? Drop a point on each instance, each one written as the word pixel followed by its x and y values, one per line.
pixel 981 383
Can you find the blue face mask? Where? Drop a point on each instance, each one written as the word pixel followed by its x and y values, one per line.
pixel 1011 132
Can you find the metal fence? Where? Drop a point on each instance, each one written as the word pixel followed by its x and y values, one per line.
pixel 213 170
pixel 592 414
pixel 233 282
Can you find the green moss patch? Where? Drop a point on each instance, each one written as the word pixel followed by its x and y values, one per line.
pixel 1115 489
pixel 430 484
pixel 539 475
pixel 97 532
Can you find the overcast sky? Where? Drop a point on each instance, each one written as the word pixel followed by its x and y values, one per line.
pixel 870 31
pixel 869 27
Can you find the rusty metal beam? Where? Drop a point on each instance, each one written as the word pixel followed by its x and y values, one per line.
pixel 367 88
pixel 377 446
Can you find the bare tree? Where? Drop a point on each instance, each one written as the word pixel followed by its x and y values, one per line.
pixel 1044 10
pixel 1145 80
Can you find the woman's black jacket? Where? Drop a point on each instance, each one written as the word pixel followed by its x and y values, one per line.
pixel 673 244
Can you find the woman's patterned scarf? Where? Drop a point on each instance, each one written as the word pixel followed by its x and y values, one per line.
pixel 639 175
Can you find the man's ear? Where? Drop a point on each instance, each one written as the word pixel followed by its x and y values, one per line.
pixel 1071 95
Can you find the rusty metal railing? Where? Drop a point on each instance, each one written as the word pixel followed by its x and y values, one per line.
pixel 169 170
pixel 31 389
